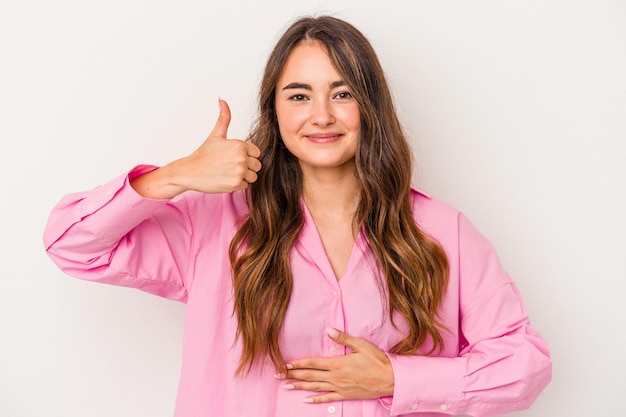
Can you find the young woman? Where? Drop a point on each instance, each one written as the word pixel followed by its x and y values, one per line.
pixel 317 281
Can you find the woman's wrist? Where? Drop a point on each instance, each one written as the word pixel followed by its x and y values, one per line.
pixel 159 184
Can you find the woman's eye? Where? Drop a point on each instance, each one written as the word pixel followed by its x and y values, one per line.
pixel 343 95
pixel 298 97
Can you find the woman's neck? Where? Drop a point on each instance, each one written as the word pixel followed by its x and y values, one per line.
pixel 332 201
pixel 331 191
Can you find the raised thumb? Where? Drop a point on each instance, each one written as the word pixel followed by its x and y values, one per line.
pixel 223 120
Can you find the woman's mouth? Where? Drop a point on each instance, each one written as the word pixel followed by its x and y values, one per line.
pixel 322 138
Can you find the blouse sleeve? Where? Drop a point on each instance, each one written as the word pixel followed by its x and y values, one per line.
pixel 503 363
pixel 113 235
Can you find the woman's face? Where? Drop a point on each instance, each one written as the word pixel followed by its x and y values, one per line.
pixel 317 116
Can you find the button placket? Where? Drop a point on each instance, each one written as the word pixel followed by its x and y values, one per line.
pixel 334 319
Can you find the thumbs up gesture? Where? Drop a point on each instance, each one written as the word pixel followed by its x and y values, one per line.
pixel 219 165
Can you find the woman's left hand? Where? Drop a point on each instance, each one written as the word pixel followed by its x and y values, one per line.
pixel 365 373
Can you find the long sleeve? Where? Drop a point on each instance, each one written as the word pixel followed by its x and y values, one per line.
pixel 493 361
pixel 503 363
pixel 112 235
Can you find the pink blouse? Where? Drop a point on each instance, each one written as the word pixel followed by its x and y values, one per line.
pixel 493 361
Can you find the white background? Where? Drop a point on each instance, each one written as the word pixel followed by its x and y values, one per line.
pixel 517 112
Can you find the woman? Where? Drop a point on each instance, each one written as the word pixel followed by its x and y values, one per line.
pixel 316 280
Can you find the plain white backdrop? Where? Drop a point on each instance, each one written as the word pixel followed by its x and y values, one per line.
pixel 517 113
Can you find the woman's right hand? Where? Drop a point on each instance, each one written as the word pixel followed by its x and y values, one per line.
pixel 219 165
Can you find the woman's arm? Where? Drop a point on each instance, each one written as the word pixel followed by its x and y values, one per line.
pixel 132 231
pixel 503 363
pixel 219 165
pixel 504 368
pixel 113 235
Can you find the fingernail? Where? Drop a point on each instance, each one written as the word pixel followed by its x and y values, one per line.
pixel 308 400
pixel 289 386
pixel 332 332
pixel 289 366
pixel 219 104
pixel 279 376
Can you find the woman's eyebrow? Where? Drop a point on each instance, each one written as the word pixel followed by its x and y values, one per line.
pixel 303 86
pixel 293 86
pixel 336 84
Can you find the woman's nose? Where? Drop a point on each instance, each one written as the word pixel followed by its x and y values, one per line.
pixel 321 113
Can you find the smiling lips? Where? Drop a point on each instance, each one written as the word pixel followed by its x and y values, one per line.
pixel 322 138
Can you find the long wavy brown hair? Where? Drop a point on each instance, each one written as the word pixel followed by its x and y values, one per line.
pixel 413 266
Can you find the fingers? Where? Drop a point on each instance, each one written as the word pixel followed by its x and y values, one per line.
pixel 326 389
pixel 364 373
pixel 344 339
pixel 250 177
pixel 313 363
pixel 223 120
pixel 236 149
pixel 254 165
pixel 252 150
pixel 324 398
pixel 221 130
pixel 315 381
